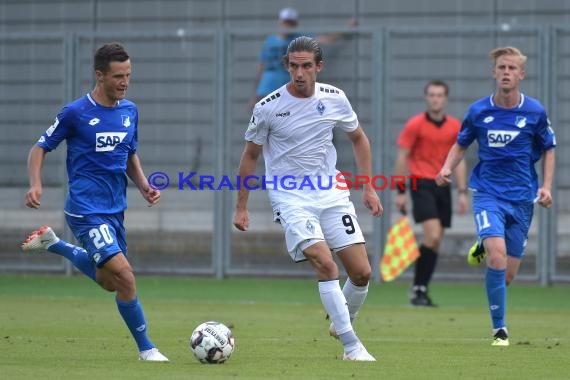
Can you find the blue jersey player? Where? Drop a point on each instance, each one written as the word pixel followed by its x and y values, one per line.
pixel 100 129
pixel 513 132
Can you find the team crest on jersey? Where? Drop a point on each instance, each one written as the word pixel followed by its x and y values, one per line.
pixel 499 139
pixel 309 226
pixel 108 141
pixel 520 121
pixel 321 108
pixel 126 120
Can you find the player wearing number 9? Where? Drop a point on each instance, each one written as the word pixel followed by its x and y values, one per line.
pixel 513 132
pixel 100 129
pixel 294 128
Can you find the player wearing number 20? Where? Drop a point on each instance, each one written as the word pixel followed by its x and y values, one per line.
pixel 293 126
pixel 100 129
pixel 513 133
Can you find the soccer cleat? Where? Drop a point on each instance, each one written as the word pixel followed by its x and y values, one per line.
pixel 41 239
pixel 420 298
pixel 332 331
pixel 152 355
pixel 359 355
pixel 500 338
pixel 476 254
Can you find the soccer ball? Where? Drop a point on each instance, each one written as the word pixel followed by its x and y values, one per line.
pixel 212 342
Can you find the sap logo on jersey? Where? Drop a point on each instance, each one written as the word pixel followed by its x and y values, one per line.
pixel 107 141
pixel 498 139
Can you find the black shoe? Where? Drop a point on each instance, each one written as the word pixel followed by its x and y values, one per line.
pixel 421 298
pixel 500 338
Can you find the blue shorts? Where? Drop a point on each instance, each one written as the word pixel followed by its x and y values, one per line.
pixel 102 235
pixel 496 217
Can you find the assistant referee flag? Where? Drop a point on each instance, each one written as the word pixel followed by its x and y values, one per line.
pixel 400 251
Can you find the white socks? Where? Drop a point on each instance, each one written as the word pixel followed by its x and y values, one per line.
pixel 355 296
pixel 341 312
pixel 335 305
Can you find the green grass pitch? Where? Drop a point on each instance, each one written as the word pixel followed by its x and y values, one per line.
pixel 55 327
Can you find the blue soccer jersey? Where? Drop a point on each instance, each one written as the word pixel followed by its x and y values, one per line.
pixel 510 142
pixel 99 142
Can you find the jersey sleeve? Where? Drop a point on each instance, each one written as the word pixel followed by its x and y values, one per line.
pixel 408 136
pixel 467 131
pixel 257 129
pixel 58 131
pixel 135 141
pixel 347 119
pixel 546 138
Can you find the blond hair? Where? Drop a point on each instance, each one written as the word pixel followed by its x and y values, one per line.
pixel 507 50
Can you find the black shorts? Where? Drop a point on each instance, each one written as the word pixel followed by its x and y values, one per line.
pixel 430 201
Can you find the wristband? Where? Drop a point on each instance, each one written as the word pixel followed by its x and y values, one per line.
pixel 462 191
pixel 401 188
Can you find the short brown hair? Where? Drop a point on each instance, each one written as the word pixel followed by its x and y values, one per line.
pixel 438 83
pixel 111 52
pixel 507 50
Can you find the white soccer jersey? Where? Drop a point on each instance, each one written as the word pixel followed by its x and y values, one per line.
pixel 296 135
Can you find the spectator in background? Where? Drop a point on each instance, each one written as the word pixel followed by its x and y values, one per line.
pixel 271 74
pixel 423 145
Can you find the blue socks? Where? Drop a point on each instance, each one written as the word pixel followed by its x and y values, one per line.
pixel 132 314
pixel 496 295
pixel 131 311
pixel 77 255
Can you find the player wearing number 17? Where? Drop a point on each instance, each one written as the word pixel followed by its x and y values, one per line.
pixel 100 129
pixel 513 133
pixel 293 126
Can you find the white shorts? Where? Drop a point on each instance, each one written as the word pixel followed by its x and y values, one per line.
pixel 304 225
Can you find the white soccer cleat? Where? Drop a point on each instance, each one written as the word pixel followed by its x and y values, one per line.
pixel 41 239
pixel 359 355
pixel 332 331
pixel 152 355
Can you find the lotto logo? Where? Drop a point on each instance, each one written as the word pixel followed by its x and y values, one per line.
pixel 499 139
pixel 107 141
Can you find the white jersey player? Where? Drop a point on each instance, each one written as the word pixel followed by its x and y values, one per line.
pixel 301 144
pixel 293 127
